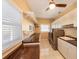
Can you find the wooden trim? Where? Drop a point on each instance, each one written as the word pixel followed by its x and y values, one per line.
pixel 7 51
pixel 31 43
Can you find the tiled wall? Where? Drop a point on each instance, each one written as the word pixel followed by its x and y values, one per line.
pixel 71 32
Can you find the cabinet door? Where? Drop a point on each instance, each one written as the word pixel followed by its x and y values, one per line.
pixel 59 45
pixel 72 51
pixel 68 50
pixel 65 48
pixel 62 47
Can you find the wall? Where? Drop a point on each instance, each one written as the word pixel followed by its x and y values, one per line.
pixel 43 21
pixel 69 18
pixel 25 25
pixel 22 5
pixel 37 29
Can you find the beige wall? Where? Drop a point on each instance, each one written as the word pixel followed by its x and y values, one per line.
pixel 43 35
pixel 25 28
pixel 43 21
pixel 22 5
pixel 25 25
pixel 69 18
pixel 37 29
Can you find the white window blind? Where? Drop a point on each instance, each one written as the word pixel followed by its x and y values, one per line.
pixel 11 25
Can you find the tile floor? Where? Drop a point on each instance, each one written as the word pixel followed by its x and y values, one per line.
pixel 46 51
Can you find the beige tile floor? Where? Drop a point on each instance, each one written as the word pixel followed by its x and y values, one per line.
pixel 46 51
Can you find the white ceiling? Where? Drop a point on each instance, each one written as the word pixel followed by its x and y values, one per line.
pixel 39 7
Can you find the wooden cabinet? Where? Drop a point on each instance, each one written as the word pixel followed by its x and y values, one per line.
pixel 53 37
pixel 71 51
pixel 68 50
pixel 25 52
pixel 62 47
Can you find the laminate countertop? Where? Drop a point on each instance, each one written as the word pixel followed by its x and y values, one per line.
pixel 71 41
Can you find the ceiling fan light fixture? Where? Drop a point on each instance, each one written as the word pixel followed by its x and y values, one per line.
pixel 52 6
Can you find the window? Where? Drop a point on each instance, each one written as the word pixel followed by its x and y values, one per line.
pixel 44 28
pixel 57 25
pixel 11 25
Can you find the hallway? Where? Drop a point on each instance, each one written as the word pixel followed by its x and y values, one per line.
pixel 46 51
pixel 30 28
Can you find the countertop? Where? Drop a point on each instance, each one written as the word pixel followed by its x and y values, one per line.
pixel 71 41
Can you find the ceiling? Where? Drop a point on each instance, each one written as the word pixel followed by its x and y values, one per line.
pixel 39 7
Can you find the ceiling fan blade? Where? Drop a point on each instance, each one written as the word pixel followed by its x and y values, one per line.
pixel 47 9
pixel 61 5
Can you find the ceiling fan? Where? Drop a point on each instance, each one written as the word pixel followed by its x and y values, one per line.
pixel 52 5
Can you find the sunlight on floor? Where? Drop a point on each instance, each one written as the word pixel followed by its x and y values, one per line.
pixel 46 51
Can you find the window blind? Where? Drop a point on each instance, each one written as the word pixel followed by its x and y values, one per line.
pixel 11 25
